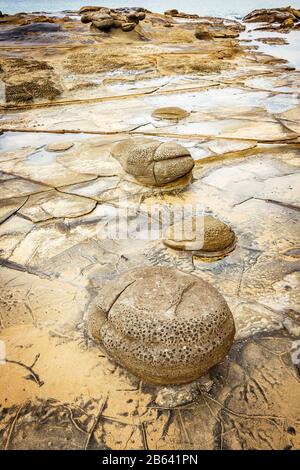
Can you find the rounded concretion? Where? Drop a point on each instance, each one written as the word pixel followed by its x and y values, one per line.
pixel 59 146
pixel 165 326
pixel 206 235
pixel 170 113
pixel 153 162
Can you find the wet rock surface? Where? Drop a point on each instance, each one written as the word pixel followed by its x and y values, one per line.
pixel 165 326
pixel 58 390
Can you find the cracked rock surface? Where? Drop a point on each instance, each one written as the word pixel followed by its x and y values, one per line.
pixel 153 162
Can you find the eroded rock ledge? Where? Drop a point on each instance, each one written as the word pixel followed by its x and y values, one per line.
pixel 284 18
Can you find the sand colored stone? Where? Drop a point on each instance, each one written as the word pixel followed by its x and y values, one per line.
pixel 153 162
pixel 10 206
pixel 170 113
pixel 59 146
pixel 165 326
pixel 54 204
pixel 205 235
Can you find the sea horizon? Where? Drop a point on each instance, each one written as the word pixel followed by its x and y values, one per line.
pixel 234 8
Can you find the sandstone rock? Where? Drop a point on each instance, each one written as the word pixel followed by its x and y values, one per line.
pixel 135 16
pixel 172 12
pixel 171 113
pixel 27 18
pixel 273 15
pixel 153 162
pixel 288 23
pixel 165 326
pixel 171 397
pixel 276 41
pixel 205 235
pixel 104 18
pixel 203 34
pixel 59 146
pixel 179 14
pixel 296 13
pixel 89 8
pixel 128 26
pixel 87 18
pixel 28 91
pixel 208 32
pixel 103 22
pixel 117 23
pixel 10 206
pixel 20 32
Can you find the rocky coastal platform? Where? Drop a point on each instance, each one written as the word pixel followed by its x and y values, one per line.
pixel 223 120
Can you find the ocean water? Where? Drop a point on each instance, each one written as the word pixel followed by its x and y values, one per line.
pixel 236 8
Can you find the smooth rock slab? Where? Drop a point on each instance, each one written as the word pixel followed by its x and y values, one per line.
pixel 53 204
pixel 9 207
pixel 221 147
pixel 165 326
pixel 153 162
pixel 59 146
pixel 20 187
pixel 92 156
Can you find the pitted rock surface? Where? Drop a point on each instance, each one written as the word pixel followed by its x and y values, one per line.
pixel 165 326
pixel 153 162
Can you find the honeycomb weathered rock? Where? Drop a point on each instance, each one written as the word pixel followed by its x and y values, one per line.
pixel 165 326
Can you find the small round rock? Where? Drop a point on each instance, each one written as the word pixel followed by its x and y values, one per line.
pixel 59 146
pixel 170 113
pixel 163 325
pixel 206 236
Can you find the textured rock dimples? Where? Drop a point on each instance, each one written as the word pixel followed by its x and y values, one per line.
pixel 165 326
pixel 153 162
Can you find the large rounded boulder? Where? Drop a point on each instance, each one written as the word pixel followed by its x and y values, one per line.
pixel 153 162
pixel 163 325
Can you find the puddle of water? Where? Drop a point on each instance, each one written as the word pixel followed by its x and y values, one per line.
pixel 11 141
pixel 42 157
